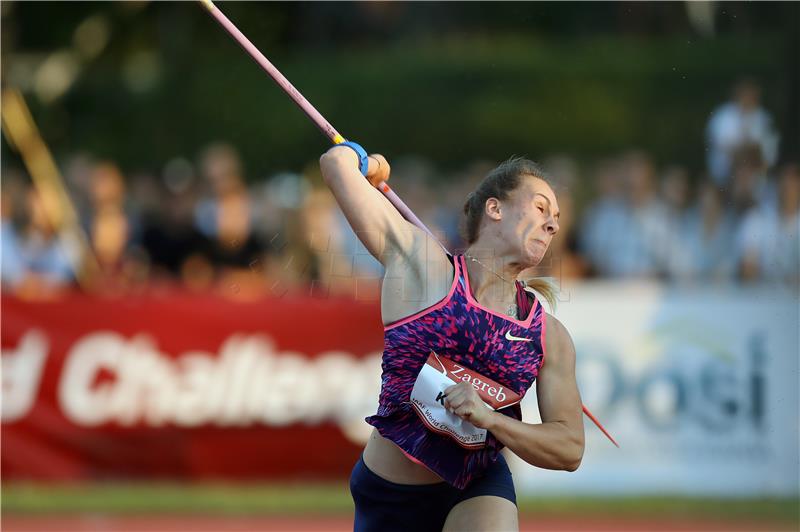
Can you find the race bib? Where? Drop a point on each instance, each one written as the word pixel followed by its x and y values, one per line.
pixel 427 397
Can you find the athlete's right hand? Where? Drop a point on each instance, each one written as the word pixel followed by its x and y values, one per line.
pixel 463 400
pixel 378 170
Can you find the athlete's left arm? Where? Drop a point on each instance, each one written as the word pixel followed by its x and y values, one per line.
pixel 557 442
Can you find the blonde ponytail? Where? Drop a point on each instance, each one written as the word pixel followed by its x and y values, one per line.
pixel 546 287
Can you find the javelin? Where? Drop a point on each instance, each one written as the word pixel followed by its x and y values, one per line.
pixel 328 130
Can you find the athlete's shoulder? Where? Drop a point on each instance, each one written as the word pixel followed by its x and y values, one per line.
pixel 557 340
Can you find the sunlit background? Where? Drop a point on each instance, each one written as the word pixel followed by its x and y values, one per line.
pixel 191 333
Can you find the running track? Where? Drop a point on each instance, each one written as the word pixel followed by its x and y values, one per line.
pixel 117 523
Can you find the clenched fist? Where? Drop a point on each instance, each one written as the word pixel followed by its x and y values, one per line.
pixel 463 400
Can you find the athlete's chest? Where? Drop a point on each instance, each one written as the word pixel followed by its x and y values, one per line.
pixel 505 350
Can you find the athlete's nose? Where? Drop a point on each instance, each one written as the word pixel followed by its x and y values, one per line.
pixel 551 226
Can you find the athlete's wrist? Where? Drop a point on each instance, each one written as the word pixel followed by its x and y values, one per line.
pixel 361 154
pixel 491 420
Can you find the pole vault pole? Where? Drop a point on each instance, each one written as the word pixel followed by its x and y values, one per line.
pixel 328 130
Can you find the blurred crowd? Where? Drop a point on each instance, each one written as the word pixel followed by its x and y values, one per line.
pixel 204 225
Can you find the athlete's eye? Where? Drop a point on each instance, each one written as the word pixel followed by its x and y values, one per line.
pixel 541 209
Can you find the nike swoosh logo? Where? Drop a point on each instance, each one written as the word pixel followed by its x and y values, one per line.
pixel 513 338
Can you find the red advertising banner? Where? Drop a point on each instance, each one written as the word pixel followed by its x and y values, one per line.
pixel 183 386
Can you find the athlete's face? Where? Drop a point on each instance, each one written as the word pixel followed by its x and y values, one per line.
pixel 531 219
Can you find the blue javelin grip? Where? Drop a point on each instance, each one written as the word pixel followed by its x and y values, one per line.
pixel 363 163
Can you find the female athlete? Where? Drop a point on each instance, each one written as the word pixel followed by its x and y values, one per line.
pixel 464 340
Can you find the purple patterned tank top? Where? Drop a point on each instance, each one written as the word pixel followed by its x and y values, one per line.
pixel 457 332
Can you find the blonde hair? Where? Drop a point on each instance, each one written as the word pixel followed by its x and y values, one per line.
pixel 545 287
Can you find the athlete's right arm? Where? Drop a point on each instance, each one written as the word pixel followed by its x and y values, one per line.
pixel 377 223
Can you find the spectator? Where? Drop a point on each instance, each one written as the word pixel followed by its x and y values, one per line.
pixel 320 241
pixel 78 180
pixel 632 229
pixel 35 262
pixel 740 121
pixel 631 239
pixel 109 227
pixel 604 218
pixel 288 262
pixel 674 193
pixel 769 238
pixel 12 262
pixel 563 261
pixel 227 220
pixel 707 239
pixel 749 184
pixel 175 247
pixel 650 243
pixel 226 214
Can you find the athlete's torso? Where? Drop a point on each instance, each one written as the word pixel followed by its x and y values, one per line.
pixel 461 331
pixel 381 455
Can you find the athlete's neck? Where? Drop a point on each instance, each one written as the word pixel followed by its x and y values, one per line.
pixel 491 276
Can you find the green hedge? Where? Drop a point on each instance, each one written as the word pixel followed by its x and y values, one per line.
pixel 452 97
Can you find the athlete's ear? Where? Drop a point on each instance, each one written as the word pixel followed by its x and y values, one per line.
pixel 493 210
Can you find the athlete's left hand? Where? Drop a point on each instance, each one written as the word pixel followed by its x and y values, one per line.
pixel 463 400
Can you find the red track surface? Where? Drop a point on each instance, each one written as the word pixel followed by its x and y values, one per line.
pixel 117 523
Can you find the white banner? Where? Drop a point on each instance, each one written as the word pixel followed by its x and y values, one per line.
pixel 698 386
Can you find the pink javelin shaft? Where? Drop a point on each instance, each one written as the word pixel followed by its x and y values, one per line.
pixel 274 73
pixel 323 125
pixel 599 425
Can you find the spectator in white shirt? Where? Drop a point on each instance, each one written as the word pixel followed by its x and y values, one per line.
pixel 629 238
pixel 708 239
pixel 740 121
pixel 769 237
pixel 604 218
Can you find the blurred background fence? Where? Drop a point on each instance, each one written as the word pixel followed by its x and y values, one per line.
pixel 208 314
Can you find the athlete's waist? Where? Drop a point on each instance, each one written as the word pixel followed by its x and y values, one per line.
pixel 389 462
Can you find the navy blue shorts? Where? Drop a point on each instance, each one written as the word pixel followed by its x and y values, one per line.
pixel 382 505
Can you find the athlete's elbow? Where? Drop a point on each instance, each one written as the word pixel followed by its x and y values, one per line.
pixel 566 457
pixel 567 460
pixel 573 463
pixel 572 454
